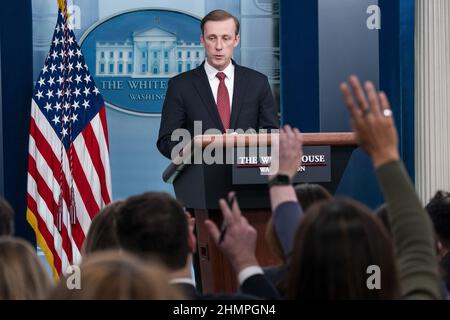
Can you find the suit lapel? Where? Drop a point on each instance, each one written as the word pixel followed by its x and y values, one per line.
pixel 240 86
pixel 203 88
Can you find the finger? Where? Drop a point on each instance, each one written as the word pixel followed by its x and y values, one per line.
pixel 236 209
pixel 373 99
pixel 359 93
pixel 387 113
pixel 289 132
pixel 192 223
pixel 349 101
pixel 226 212
pixel 384 101
pixel 233 204
pixel 212 230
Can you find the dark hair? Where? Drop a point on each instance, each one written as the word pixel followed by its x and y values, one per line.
pixel 6 218
pixel 335 244
pixel 273 241
pixel 382 213
pixel 102 234
pixel 309 193
pixel 219 15
pixel 439 210
pixel 154 224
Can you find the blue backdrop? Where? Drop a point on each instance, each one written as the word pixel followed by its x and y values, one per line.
pixel 321 44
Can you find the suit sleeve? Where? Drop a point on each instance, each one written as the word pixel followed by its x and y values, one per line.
pixel 268 116
pixel 286 219
pixel 259 286
pixel 173 117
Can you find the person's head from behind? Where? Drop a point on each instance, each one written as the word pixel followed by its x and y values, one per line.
pixel 273 241
pixel 439 210
pixel 116 275
pixel 310 193
pixel 102 234
pixel 220 35
pixel 6 218
pixel 336 243
pixel 154 225
pixel 22 276
pixel 383 215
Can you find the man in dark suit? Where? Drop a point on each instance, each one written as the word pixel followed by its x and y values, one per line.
pixel 154 225
pixel 219 93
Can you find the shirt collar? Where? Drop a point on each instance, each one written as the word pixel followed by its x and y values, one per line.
pixel 211 71
pixel 183 280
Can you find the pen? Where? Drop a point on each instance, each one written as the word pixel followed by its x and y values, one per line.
pixel 223 229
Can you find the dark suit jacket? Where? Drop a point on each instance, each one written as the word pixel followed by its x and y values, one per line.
pixel 255 287
pixel 189 98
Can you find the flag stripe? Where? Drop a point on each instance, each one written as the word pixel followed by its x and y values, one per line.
pixel 94 151
pixel 84 187
pixel 48 147
pixel 51 159
pixel 97 125
pixel 43 230
pixel 68 151
pixel 45 172
pixel 47 219
pixel 42 242
pixel 47 195
pixel 104 125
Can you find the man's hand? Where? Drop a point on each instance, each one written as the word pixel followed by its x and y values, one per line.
pixel 287 152
pixel 371 120
pixel 239 241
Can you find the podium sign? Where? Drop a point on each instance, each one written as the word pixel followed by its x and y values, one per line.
pixel 251 167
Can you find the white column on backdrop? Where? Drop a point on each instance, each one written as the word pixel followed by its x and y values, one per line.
pixel 432 97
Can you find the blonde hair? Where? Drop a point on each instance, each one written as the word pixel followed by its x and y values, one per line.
pixel 22 276
pixel 116 275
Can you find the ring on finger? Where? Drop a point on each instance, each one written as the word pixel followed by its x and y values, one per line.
pixel 387 112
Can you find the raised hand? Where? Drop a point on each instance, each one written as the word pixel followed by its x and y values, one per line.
pixel 287 152
pixel 239 241
pixel 371 120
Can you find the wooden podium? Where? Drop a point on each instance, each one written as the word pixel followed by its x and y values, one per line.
pixel 199 186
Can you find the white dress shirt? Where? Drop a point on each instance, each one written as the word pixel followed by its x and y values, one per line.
pixel 214 81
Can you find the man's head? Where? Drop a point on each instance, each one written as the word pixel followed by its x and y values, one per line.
pixel 439 210
pixel 154 225
pixel 220 35
pixel 6 218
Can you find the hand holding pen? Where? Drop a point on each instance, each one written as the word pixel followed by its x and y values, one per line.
pixel 223 229
pixel 237 238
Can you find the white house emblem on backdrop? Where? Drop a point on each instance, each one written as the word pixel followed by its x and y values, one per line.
pixel 134 54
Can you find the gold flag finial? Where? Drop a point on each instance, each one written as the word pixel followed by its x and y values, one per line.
pixel 62 4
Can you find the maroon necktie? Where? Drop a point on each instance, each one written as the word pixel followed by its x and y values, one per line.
pixel 223 101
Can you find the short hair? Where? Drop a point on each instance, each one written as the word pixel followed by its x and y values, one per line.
pixel 439 210
pixel 219 15
pixel 115 275
pixel 309 193
pixel 154 224
pixel 336 242
pixel 6 218
pixel 102 234
pixel 22 276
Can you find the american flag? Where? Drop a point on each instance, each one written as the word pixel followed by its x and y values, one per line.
pixel 68 163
